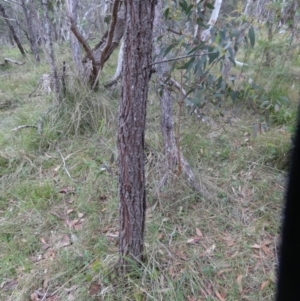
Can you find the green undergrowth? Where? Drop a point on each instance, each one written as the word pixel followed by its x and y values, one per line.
pixel 59 198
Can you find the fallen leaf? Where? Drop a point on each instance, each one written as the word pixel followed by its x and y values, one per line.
pixel 72 223
pixel 223 271
pixel 56 169
pixel 8 284
pixel 228 240
pixel 267 242
pixel 64 242
pixel 209 250
pixel 113 235
pixel 67 190
pixel 80 215
pixel 199 233
pixel 219 296
pixel 43 241
pixel 78 227
pixel 58 215
pixel 50 254
pixel 53 298
pixel 45 246
pixel 34 297
pixel 181 255
pixel 70 211
pixel 171 271
pixel 239 283
pixel 160 236
pixel 74 238
pixel 256 246
pixel 94 288
pixel 46 283
pixel 266 250
pixel 193 240
pixel 264 285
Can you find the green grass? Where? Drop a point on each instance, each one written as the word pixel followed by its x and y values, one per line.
pixel 59 197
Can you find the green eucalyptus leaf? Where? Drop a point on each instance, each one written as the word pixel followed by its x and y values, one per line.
pixel 213 55
pixel 183 4
pixel 166 13
pixel 209 5
pixel 251 35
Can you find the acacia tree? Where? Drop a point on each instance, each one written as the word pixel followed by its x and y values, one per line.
pixel 131 128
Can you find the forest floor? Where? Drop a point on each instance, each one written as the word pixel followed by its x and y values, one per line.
pixel 59 198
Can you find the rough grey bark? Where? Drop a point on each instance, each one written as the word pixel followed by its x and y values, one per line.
pixel 11 28
pixel 171 151
pixel 49 49
pixel 27 8
pixel 131 128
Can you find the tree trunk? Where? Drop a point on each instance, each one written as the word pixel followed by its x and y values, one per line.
pixel 75 46
pixel 131 129
pixel 11 28
pixel 206 34
pixel 49 49
pixel 174 157
pixel 32 38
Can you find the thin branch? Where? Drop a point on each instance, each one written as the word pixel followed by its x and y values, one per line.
pixel 64 164
pixel 83 42
pixel 114 17
pixel 174 31
pixel 180 58
pixel 113 22
pixel 178 86
pixel 112 82
pixel 24 127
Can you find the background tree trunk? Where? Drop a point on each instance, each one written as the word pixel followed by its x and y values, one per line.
pixel 27 8
pixel 49 48
pixel 172 153
pixel 11 28
pixel 72 6
pixel 131 130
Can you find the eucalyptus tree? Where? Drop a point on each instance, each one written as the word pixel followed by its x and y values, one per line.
pixel 131 128
pixel 28 9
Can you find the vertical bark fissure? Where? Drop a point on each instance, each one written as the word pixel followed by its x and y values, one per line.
pixel 131 130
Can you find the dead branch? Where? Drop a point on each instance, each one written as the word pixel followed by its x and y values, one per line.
pixel 24 127
pixel 8 60
pixel 112 82
pixel 178 86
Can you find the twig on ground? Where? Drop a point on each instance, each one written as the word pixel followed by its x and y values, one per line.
pixel 64 164
pixel 24 127
pixel 8 60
